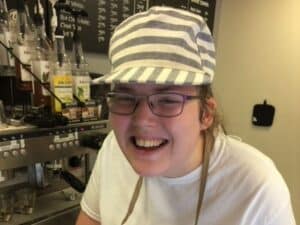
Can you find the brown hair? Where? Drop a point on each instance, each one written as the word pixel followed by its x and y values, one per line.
pixel 205 92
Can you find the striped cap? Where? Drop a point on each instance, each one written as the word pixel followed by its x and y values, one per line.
pixel 161 46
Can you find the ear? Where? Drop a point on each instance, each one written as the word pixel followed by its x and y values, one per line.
pixel 208 114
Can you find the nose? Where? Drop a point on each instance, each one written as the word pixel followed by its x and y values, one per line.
pixel 143 113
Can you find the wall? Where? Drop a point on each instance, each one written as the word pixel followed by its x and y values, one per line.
pixel 258 52
pixel 98 63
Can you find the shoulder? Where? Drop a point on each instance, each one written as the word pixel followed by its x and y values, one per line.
pixel 250 177
pixel 255 166
pixel 242 156
pixel 245 161
pixel 110 141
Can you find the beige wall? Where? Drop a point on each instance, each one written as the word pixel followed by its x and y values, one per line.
pixel 258 57
pixel 98 63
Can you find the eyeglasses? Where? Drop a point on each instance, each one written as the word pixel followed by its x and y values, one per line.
pixel 161 104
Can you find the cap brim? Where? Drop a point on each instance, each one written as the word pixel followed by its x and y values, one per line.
pixel 154 75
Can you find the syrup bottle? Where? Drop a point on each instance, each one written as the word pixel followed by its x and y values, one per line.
pixel 61 74
pixel 81 78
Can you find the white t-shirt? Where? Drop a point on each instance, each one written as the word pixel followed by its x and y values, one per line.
pixel 243 188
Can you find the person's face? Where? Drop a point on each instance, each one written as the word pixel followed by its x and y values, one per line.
pixel 160 146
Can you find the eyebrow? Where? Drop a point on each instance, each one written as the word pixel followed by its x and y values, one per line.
pixel 166 88
pixel 121 88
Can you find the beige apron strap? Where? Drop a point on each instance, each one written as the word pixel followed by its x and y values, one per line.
pixel 134 198
pixel 209 140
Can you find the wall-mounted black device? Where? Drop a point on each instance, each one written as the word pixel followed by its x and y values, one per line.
pixel 263 114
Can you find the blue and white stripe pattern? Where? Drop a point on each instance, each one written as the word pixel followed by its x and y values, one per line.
pixel 161 46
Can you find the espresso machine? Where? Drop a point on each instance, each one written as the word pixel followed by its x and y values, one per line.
pixel 46 152
pixel 43 171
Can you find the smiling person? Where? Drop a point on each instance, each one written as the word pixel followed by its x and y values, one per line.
pixel 165 160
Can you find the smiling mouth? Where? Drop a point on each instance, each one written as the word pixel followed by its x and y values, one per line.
pixel 148 144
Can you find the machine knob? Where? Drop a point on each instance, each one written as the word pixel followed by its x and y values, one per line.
pixel 65 145
pixel 6 154
pixel 77 143
pixel 15 153
pixel 58 146
pixel 51 147
pixel 71 144
pixel 23 151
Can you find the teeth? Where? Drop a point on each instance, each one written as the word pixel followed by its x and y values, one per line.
pixel 148 143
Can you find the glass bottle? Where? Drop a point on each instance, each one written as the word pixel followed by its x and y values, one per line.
pixel 81 78
pixel 40 61
pixel 61 74
pixel 24 48
pixel 6 37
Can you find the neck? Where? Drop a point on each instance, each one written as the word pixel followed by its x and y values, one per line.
pixel 192 162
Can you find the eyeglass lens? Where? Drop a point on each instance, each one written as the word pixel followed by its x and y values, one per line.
pixel 162 104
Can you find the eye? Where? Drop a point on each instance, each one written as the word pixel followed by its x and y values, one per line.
pixel 169 99
pixel 122 99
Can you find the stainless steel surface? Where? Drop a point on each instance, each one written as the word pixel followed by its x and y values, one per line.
pixel 51 209
pixel 2 115
pixel 25 146
pixel 25 129
pixel 32 161
pixel 31 164
pixel 6 206
pixel 25 200
pixel 67 217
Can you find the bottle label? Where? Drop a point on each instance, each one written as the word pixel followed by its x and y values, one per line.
pixel 6 59
pixel 82 87
pixel 24 54
pixel 10 40
pixel 62 87
pixel 3 54
pixel 41 68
